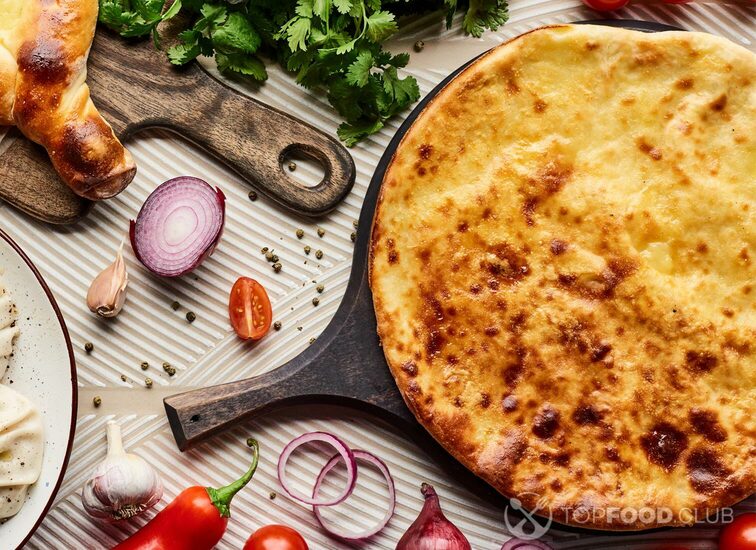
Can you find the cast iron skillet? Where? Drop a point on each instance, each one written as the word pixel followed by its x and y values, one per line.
pixel 346 365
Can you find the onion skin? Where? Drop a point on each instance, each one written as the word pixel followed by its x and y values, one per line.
pixel 188 265
pixel 431 530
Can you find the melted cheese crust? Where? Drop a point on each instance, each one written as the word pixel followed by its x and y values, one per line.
pixel 563 271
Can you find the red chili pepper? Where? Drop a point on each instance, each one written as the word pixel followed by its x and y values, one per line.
pixel 195 520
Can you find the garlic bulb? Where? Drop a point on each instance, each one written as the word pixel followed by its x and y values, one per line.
pixel 107 294
pixel 123 485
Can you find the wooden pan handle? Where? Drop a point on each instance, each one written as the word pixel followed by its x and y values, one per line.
pixel 254 139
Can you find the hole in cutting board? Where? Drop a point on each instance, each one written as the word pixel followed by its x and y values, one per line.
pixel 308 170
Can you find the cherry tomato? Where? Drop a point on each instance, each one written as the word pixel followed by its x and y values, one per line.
pixel 605 5
pixel 249 309
pixel 275 537
pixel 740 534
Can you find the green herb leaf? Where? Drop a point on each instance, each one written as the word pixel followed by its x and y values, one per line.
pixel 241 64
pixel 381 25
pixel 236 35
pixel 359 71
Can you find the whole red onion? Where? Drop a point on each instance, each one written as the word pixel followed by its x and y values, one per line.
pixel 431 530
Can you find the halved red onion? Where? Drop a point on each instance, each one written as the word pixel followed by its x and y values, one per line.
pixel 178 226
pixel 367 533
pixel 519 544
pixel 344 452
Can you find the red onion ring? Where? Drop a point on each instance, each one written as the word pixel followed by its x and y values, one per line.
pixel 378 463
pixel 179 226
pixel 519 544
pixel 345 453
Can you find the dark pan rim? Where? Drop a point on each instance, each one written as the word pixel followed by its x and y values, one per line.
pixel 74 383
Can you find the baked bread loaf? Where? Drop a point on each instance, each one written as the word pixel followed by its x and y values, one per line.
pixel 43 54
pixel 563 271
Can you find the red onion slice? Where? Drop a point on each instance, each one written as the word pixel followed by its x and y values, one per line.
pixel 519 544
pixel 345 453
pixel 178 226
pixel 362 535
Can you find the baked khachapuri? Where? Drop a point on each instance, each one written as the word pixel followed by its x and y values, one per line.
pixel 564 273
pixel 44 47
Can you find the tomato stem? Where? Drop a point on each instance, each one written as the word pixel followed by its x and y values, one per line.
pixel 221 497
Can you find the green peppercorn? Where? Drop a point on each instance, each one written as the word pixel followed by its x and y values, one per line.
pixel 145 365
pixel 148 382
pixel 307 250
pixel 315 301
pixel 277 325
pixel 251 442
pixel 321 232
pixel 300 233
pixel 318 254
pixel 89 347
pixel 277 267
pixel 320 288
pixel 252 196
pixel 169 369
pixel 97 401
pixel 190 316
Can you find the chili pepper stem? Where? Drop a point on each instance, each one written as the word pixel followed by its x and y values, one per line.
pixel 221 497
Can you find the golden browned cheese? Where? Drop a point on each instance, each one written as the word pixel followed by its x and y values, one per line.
pixel 563 272
pixel 44 46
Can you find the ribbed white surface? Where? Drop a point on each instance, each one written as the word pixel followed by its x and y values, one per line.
pixel 206 352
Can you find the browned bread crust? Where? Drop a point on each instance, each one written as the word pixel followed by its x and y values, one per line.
pixel 50 100
pixel 563 273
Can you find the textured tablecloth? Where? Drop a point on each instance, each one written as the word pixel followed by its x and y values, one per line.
pixel 207 352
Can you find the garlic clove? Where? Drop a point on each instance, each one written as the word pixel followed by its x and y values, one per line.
pixel 123 485
pixel 107 293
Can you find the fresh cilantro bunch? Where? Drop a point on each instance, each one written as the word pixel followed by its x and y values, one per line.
pixel 334 46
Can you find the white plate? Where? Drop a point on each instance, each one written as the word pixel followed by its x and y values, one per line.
pixel 43 369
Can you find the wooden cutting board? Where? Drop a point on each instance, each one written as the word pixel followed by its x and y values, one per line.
pixel 135 87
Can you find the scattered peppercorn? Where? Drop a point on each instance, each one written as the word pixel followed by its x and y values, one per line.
pixel 315 301
pixel 97 401
pixel 419 45
pixel 148 382
pixel 171 370
pixel 320 288
pixel 299 329
pixel 123 378
pixel 318 254
pixel 175 305
pixel 353 236
pixel 89 347
pixel 300 233
pixel 277 325
pixel 264 250
pixel 145 365
pixel 355 223
pixel 269 256
pixel 292 166
pixel 190 316
pixel 252 196
pixel 277 267
pixel 321 232
pixel 272 495
pixel 275 258
pixel 307 249
pixel 312 341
